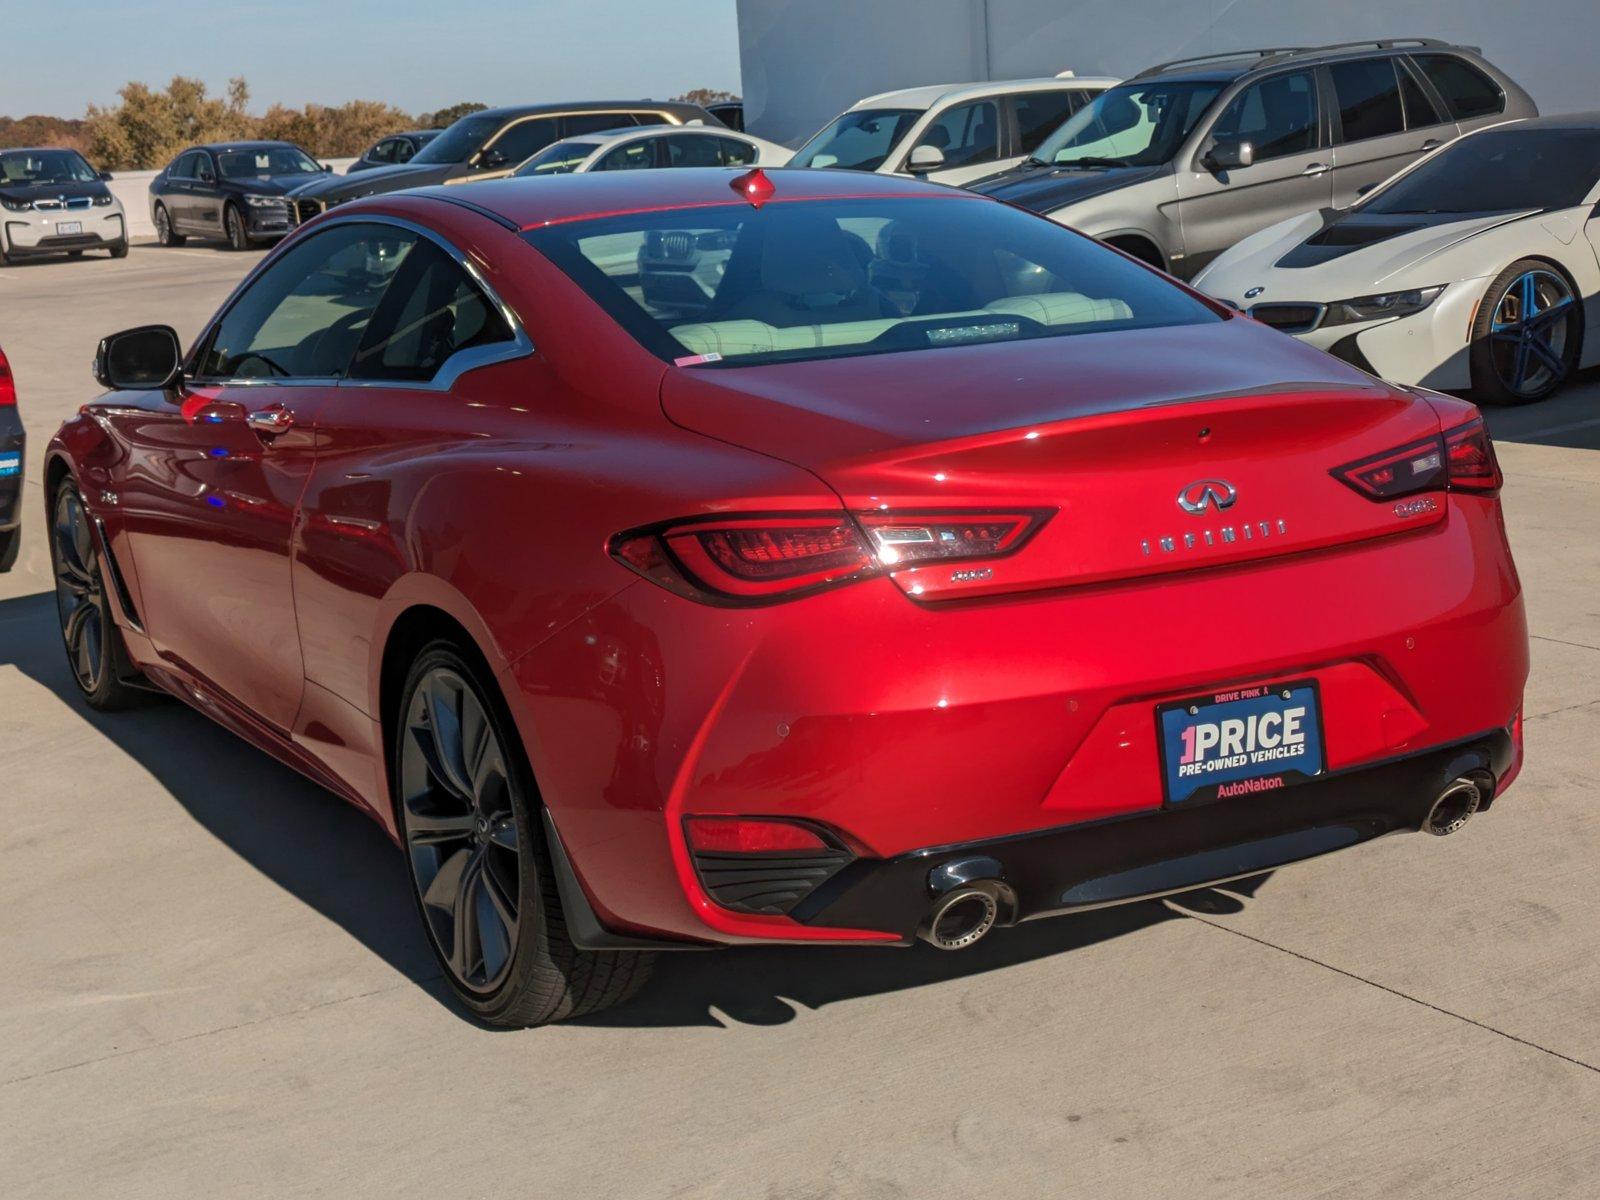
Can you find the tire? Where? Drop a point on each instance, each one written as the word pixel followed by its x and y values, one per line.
pixel 233 228
pixel 480 871
pixel 120 249
pixel 1517 361
pixel 74 253
pixel 164 231
pixel 96 655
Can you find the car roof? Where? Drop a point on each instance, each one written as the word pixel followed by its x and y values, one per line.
pixel 1227 65
pixel 247 144
pixel 935 93
pixel 533 110
pixel 530 201
pixel 39 149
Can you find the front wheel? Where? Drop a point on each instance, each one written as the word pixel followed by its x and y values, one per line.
pixel 1527 336
pixel 480 872
pixel 233 226
pixel 120 249
pixel 95 652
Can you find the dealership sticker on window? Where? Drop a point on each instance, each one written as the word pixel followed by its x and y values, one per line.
pixel 10 464
pixel 694 360
pixel 1237 743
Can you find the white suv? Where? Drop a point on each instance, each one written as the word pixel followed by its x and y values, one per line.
pixel 949 133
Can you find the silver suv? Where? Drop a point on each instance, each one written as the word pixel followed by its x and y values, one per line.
pixel 1183 160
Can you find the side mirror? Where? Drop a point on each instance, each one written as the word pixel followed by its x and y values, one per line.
pixel 105 176
pixel 925 159
pixel 492 160
pixel 1230 156
pixel 146 357
pixel 328 167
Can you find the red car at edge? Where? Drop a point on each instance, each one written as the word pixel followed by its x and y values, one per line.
pixel 685 559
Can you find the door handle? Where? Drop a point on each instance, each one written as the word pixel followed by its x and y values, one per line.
pixel 1431 144
pixel 1315 169
pixel 270 422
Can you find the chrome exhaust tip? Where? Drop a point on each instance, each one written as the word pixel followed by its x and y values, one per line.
pixel 960 919
pixel 1454 806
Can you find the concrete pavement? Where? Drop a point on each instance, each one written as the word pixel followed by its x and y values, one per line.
pixel 212 982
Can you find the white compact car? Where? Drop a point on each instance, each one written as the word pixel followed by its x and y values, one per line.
pixel 949 133
pixel 53 202
pixel 1474 269
pixel 652 147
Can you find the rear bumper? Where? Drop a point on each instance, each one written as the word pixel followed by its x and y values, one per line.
pixel 1159 853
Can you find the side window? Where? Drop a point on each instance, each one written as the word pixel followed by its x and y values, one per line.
pixel 203 170
pixel 642 118
pixel 1039 114
pixel 306 314
pixel 968 134
pixel 383 152
pixel 182 167
pixel 692 150
pixel 1420 108
pixel 1277 116
pixel 1467 90
pixel 631 156
pixel 736 153
pixel 580 123
pixel 430 312
pixel 402 149
pixel 525 139
pixel 1369 98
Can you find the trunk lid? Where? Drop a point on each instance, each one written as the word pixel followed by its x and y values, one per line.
pixel 1157 450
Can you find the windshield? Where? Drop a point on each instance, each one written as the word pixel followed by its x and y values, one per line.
pixel 1501 170
pixel 1134 125
pixel 24 168
pixel 813 279
pixel 264 161
pixel 559 159
pixel 857 141
pixel 459 142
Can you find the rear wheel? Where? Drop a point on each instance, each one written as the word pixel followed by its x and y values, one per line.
pixel 1527 335
pixel 481 876
pixel 164 231
pixel 95 652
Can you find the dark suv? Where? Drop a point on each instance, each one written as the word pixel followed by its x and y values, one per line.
pixel 493 142
pixel 1183 160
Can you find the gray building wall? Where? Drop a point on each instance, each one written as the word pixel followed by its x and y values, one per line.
pixel 805 60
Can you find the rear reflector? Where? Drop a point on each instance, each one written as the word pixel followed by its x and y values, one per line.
pixel 1462 459
pixel 748 559
pixel 748 835
pixel 8 385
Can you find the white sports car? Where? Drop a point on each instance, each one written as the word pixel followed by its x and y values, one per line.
pixel 1475 269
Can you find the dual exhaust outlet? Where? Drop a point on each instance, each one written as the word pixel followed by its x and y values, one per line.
pixel 970 897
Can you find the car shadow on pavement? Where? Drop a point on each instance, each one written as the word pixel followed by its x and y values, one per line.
pixel 1568 419
pixel 336 860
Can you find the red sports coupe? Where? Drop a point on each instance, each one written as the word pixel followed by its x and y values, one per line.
pixel 694 559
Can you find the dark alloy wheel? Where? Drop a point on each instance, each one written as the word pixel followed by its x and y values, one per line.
pixel 233 226
pixel 164 231
pixel 467 810
pixel 1527 336
pixel 94 646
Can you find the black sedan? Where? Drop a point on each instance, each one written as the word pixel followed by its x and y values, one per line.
pixel 486 144
pixel 234 191
pixel 393 150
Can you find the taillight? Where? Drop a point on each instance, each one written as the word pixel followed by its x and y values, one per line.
pixel 1462 459
pixel 749 559
pixel 750 835
pixel 8 385
pixel 1469 453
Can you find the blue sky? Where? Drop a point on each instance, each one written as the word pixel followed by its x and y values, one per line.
pixel 417 55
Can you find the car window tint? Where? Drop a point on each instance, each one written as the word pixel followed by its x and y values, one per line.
pixel 736 153
pixel 1508 169
pixel 305 315
pixel 526 138
pixel 383 152
pixel 1277 116
pixel 1369 98
pixel 404 148
pixel 860 140
pixel 431 311
pixel 203 170
pixel 693 150
pixel 579 123
pixel 1421 111
pixel 1467 90
pixel 1039 114
pixel 640 118
pixel 183 167
pixel 632 156
pixel 967 134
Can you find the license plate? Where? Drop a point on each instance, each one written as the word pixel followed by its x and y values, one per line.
pixel 65 227
pixel 1235 743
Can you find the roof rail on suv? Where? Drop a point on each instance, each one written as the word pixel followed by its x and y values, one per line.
pixel 1280 54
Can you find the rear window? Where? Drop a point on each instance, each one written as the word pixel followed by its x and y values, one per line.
pixel 800 280
pixel 1467 90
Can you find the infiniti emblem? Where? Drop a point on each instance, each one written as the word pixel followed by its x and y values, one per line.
pixel 1254 292
pixel 1207 493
